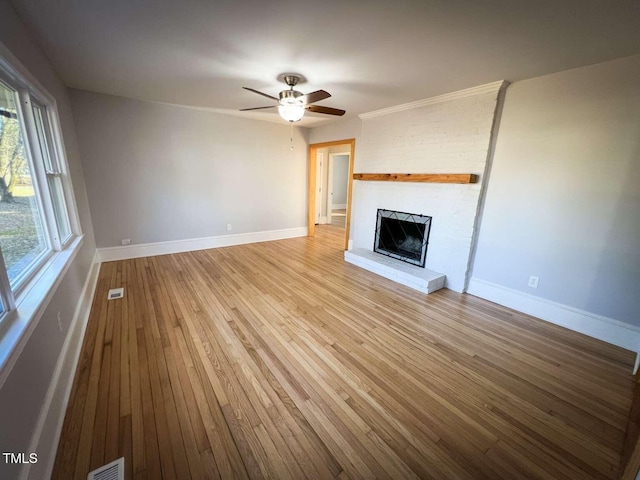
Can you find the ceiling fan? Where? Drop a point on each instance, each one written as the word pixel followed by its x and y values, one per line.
pixel 292 103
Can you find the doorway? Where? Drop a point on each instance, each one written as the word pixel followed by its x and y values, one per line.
pixel 321 196
pixel 337 186
pixel 318 187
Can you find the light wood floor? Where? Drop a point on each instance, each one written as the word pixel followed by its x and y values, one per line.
pixel 339 218
pixel 279 360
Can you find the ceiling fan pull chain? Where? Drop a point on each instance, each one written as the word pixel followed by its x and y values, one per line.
pixel 291 136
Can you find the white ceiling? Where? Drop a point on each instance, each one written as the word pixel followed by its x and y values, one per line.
pixel 368 55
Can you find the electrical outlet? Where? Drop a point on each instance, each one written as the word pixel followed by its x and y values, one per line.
pixel 126 241
pixel 533 281
pixel 229 227
pixel 60 321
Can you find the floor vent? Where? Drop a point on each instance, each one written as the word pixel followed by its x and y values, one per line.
pixel 111 471
pixel 115 293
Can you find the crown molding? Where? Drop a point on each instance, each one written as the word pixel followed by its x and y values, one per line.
pixel 468 92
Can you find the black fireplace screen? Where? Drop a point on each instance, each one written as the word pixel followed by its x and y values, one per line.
pixel 404 236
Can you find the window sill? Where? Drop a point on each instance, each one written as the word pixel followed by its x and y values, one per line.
pixel 18 325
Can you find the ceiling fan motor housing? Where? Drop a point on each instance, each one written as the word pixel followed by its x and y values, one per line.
pixel 290 97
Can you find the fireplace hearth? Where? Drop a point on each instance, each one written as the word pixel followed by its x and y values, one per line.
pixel 404 236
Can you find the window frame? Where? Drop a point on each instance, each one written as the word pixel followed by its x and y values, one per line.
pixel 34 160
pixel 7 302
pixel 25 302
pixel 52 171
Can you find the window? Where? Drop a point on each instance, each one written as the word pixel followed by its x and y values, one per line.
pixel 35 220
pixel 53 172
pixel 23 241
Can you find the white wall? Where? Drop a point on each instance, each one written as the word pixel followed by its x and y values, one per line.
pixel 339 130
pixel 22 396
pixel 563 201
pixel 158 173
pixel 450 136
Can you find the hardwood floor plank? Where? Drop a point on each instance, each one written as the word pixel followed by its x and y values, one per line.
pixel 243 389
pixel 72 428
pixel 85 443
pixel 125 448
pixel 303 435
pixel 102 406
pixel 182 423
pixel 228 450
pixel 125 381
pixel 153 348
pixel 280 360
pixel 135 388
pixel 113 414
pixel 151 465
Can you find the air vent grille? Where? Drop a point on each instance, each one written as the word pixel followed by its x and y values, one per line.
pixel 111 471
pixel 115 293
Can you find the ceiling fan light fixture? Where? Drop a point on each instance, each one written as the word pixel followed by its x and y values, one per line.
pixel 292 103
pixel 291 112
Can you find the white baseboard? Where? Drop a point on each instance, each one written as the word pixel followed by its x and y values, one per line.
pixel 46 435
pixel 338 206
pixel 597 326
pixel 323 220
pixel 111 254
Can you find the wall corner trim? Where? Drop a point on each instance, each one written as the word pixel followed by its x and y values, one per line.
pixel 597 326
pixel 111 254
pixel 468 92
pixel 46 435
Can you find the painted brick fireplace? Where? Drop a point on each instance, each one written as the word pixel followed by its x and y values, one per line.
pixel 447 134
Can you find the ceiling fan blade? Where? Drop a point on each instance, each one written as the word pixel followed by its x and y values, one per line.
pixel 327 110
pixel 260 93
pixel 256 108
pixel 314 97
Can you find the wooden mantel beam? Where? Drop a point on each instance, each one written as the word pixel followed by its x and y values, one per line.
pixel 418 177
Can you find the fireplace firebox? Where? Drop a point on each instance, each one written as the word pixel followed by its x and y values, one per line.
pixel 404 236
